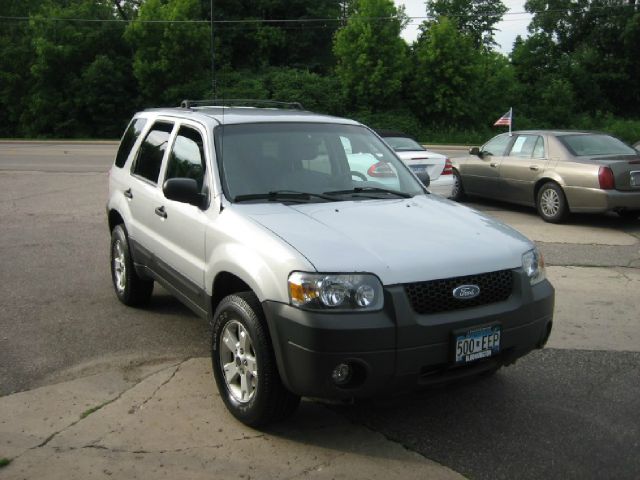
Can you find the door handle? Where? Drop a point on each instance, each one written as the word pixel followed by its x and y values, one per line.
pixel 161 212
pixel 535 168
pixel 128 193
pixel 493 164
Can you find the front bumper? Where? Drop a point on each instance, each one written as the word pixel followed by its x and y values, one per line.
pixel 396 348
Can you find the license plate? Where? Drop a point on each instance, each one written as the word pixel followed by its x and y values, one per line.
pixel 635 179
pixel 476 344
pixel 418 168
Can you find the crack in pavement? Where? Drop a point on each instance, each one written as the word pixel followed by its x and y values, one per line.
pixel 134 408
pixel 143 452
pixel 249 437
pixel 108 402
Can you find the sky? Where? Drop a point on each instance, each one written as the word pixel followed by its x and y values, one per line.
pixel 514 23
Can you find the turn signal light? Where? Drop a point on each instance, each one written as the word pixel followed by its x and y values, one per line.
pixel 605 178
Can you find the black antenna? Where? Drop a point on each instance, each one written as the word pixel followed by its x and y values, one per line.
pixel 213 56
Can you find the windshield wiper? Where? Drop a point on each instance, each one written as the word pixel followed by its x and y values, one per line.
pixel 288 195
pixel 361 190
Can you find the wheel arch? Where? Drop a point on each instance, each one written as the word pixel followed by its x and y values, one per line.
pixel 548 179
pixel 114 219
pixel 226 283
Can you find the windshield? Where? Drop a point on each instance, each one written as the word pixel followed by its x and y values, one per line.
pixel 403 144
pixel 595 144
pixel 305 161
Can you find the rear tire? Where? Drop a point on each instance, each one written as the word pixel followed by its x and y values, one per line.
pixel 457 192
pixel 551 203
pixel 130 289
pixel 244 365
pixel 629 214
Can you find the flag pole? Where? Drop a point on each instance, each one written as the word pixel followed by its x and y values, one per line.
pixel 510 119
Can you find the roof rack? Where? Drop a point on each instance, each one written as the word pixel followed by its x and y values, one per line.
pixel 240 102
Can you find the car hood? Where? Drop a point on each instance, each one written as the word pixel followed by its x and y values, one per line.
pixel 406 240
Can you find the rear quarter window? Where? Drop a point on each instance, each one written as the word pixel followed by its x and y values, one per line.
pixel 129 138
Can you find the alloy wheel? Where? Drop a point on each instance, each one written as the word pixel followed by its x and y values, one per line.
pixel 550 202
pixel 238 361
pixel 455 190
pixel 119 267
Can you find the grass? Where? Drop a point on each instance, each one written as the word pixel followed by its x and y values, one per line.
pixel 4 462
pixel 91 410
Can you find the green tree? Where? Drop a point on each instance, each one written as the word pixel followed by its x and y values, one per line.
pixel 372 59
pixel 598 38
pixel 256 45
pixel 81 82
pixel 172 59
pixel 16 57
pixel 476 18
pixel 446 75
pixel 497 88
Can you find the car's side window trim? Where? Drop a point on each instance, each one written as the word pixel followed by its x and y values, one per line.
pixel 208 161
pixel 541 138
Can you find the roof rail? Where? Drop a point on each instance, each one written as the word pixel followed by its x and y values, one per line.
pixel 240 102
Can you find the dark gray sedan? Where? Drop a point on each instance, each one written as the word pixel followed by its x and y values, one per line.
pixel 557 172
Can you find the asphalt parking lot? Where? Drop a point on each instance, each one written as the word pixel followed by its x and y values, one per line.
pixel 571 410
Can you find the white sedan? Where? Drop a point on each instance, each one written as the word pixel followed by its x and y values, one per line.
pixel 419 159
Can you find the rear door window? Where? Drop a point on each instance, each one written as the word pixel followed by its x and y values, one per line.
pixel 151 153
pixel 527 146
pixel 128 140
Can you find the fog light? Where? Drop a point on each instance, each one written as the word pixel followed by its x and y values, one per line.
pixel 341 374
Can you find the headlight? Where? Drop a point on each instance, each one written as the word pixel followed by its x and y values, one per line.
pixel 533 265
pixel 347 291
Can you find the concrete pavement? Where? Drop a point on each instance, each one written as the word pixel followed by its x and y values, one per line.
pixel 168 421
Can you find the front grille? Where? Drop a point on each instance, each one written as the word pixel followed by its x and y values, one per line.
pixel 437 295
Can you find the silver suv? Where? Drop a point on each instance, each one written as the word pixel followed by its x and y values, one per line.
pixel 323 264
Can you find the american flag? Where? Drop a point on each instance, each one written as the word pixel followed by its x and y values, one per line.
pixel 504 119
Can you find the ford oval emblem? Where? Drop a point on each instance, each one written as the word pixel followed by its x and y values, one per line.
pixel 466 292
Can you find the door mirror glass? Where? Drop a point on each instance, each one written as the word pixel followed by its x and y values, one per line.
pixel 475 151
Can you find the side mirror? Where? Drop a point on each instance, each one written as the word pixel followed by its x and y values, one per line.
pixel 475 151
pixel 424 178
pixel 184 190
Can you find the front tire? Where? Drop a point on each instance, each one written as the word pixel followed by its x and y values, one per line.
pixel 551 203
pixel 244 364
pixel 131 290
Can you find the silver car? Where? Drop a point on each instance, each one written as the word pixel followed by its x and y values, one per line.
pixel 316 279
pixel 557 172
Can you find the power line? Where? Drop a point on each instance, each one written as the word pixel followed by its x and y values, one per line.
pixel 292 20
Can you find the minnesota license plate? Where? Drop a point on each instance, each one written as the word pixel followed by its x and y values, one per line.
pixel 477 343
pixel 635 179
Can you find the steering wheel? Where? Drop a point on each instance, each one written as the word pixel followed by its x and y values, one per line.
pixel 359 175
